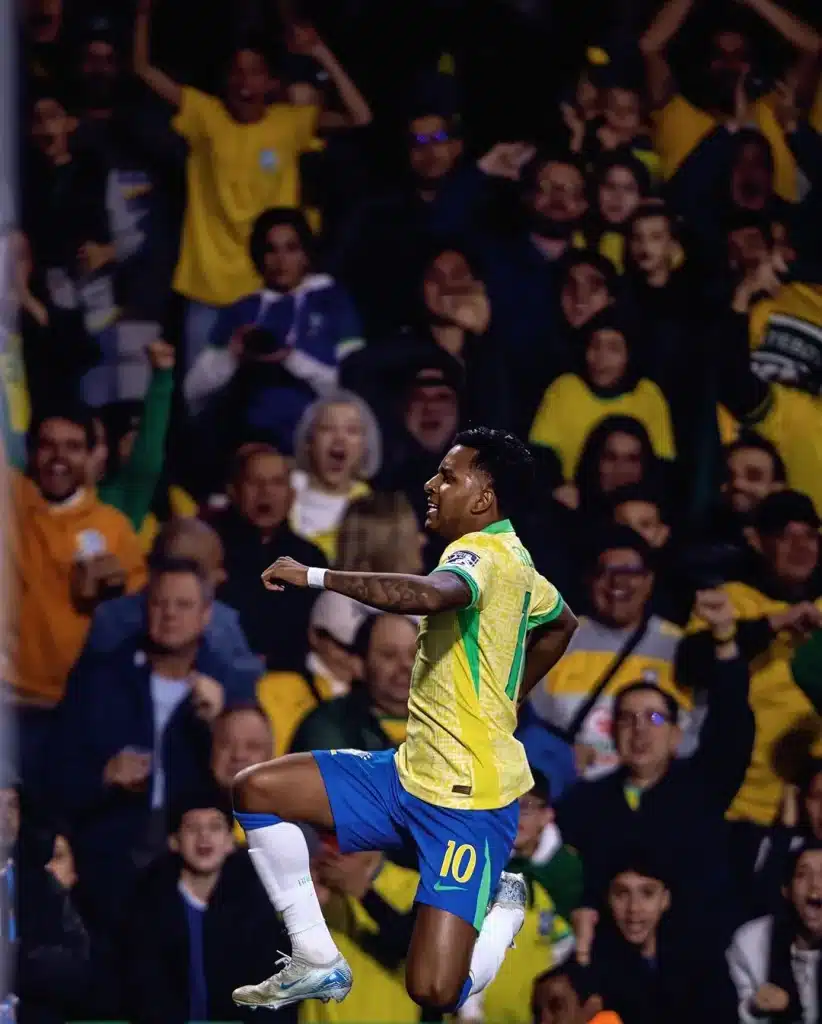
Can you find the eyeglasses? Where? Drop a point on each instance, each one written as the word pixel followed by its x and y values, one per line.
pixel 631 719
pixel 428 138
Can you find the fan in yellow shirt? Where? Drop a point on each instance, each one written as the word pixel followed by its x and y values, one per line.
pixel 243 158
pixel 727 83
pixel 576 403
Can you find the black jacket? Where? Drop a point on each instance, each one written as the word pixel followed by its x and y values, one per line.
pixel 275 629
pixel 685 982
pixel 680 820
pixel 241 942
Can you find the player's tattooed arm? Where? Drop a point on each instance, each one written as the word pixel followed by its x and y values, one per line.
pixel 387 592
pixel 406 595
pixel 546 645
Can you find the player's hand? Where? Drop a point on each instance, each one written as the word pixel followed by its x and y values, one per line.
pixel 285 571
pixel 771 999
pixel 584 922
pixel 207 695
pixel 129 770
pixel 161 355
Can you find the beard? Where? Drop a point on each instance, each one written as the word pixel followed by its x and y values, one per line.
pixel 548 227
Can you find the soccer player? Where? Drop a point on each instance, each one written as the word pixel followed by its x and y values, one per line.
pixel 492 628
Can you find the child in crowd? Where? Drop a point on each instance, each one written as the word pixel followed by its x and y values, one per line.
pixel 607 384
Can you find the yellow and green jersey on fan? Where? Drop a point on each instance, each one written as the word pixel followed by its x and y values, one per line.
pixel 460 749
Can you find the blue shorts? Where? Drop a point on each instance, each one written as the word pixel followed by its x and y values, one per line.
pixel 461 853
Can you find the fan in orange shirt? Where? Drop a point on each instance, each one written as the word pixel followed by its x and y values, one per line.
pixel 562 996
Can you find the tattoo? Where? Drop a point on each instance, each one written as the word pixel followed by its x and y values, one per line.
pixel 406 595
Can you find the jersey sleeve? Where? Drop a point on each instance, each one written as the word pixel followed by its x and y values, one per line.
pixel 546 603
pixel 196 116
pixel 471 560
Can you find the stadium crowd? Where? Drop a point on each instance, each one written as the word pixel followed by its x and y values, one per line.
pixel 256 287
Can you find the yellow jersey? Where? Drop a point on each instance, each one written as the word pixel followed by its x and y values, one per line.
pixel 234 172
pixel 570 410
pixel 460 749
pixel 680 126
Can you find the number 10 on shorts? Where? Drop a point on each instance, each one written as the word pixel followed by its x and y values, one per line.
pixel 459 862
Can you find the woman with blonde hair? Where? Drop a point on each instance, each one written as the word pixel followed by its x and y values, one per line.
pixel 337 448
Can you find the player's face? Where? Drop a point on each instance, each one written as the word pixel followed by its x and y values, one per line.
pixel 453 492
pixel 389 662
pixel 263 493
pixel 806 891
pixel 204 841
pixel 337 446
pixel 637 904
pixel 645 736
pixel 60 459
pixel 241 739
pixel 177 611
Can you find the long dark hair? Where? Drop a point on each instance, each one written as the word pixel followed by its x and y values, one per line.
pixel 592 499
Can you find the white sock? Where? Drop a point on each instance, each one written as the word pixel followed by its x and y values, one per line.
pixel 500 926
pixel 280 856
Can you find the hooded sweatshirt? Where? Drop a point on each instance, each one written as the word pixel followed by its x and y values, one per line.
pixel 45 543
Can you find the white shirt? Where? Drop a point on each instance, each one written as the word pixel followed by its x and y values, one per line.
pixel 315 512
pixel 166 696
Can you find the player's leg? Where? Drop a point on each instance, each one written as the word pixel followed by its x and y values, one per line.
pixel 459 942
pixel 330 790
pixel 269 799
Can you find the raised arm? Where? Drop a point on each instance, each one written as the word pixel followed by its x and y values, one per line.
pixel 156 80
pixel 387 592
pixel 305 40
pixel 546 645
pixel 654 42
pixel 792 29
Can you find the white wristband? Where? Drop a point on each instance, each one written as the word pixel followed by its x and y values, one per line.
pixel 316 578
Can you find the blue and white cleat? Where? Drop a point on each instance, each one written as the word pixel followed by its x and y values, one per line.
pixel 296 981
pixel 512 893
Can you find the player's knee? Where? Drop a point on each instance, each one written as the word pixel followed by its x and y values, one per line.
pixel 434 990
pixel 251 789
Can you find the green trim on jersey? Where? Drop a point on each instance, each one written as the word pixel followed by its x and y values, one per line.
pixel 500 526
pixel 469 579
pixel 540 620
pixel 515 672
pixel 484 894
pixel 468 619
